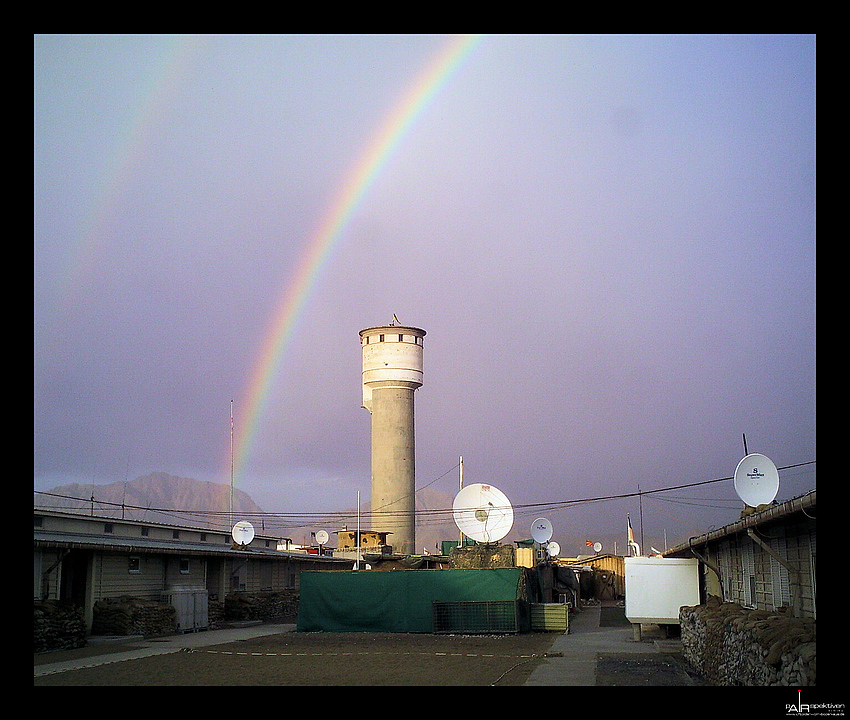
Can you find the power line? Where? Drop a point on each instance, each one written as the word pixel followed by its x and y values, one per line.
pixel 295 519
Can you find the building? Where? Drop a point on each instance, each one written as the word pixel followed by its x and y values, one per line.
pixel 85 559
pixel 766 560
pixel 392 372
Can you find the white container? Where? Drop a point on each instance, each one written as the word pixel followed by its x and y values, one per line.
pixel 192 606
pixel 657 587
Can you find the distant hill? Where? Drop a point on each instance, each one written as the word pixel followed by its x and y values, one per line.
pixel 434 521
pixel 156 497
pixel 145 498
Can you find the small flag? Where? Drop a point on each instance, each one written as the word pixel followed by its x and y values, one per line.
pixel 632 544
pixel 589 543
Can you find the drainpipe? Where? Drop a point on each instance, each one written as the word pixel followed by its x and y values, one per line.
pixel 793 577
pixel 711 566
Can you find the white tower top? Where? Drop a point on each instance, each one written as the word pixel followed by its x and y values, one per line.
pixel 392 357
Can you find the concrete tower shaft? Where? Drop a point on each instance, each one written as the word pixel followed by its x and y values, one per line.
pixel 392 371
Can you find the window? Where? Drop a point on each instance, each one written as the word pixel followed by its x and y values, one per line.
pixel 134 565
pixel 107 528
pixel 184 566
pixel 380 338
pixel 175 534
pixel 146 532
pixel 401 338
pixel 203 537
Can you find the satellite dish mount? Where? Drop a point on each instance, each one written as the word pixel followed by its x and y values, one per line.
pixel 242 533
pixel 483 513
pixel 756 480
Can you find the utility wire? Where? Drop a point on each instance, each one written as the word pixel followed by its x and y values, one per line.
pixel 313 518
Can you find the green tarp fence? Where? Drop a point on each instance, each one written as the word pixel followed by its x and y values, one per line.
pixel 395 601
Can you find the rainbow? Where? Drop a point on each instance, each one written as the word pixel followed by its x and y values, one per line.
pixel 345 202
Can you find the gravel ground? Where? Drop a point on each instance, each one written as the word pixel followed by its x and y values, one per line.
pixel 643 670
pixel 325 659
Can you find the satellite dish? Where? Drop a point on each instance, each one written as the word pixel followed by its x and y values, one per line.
pixel 242 533
pixel 322 537
pixel 756 480
pixel 553 549
pixel 597 547
pixel 541 530
pixel 483 513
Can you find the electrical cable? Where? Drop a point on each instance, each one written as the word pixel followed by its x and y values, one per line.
pixel 438 514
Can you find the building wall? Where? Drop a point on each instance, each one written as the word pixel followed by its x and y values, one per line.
pixel 755 579
pixel 114 575
pixel 99 559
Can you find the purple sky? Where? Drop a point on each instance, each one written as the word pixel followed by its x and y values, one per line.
pixel 608 239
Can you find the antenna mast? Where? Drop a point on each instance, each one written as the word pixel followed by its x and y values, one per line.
pixel 460 532
pixel 230 502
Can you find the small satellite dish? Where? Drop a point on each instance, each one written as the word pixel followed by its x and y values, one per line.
pixel 322 537
pixel 553 549
pixel 483 513
pixel 756 480
pixel 541 530
pixel 242 533
pixel 597 547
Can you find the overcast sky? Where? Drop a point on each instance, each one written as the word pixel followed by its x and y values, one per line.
pixel 610 241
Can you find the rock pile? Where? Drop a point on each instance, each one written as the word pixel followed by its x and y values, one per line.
pixel 261 606
pixel 728 644
pixel 58 626
pixel 215 613
pixel 133 616
pixel 482 556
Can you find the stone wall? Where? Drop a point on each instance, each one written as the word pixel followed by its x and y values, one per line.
pixel 482 556
pixel 728 644
pixel 261 605
pixel 133 616
pixel 58 626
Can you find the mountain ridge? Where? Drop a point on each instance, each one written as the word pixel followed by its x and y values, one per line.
pixel 160 497
pixel 156 497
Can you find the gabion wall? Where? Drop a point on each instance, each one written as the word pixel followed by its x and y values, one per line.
pixel 728 644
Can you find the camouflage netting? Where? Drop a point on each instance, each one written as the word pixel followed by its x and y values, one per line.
pixel 731 645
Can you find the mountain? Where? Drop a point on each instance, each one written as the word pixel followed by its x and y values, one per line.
pixel 160 497
pixel 153 498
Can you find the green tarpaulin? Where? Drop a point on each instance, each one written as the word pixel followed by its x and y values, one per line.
pixel 395 601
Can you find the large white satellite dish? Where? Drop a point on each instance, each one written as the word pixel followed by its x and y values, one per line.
pixel 322 537
pixel 483 513
pixel 242 533
pixel 541 530
pixel 756 480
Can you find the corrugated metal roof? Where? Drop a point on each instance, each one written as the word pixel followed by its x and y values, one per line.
pixel 771 514
pixel 47 538
pixel 142 544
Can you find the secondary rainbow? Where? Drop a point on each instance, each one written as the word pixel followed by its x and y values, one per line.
pixel 174 59
pixel 344 203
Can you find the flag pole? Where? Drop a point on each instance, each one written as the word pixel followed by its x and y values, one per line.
pixel 460 532
pixel 230 501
